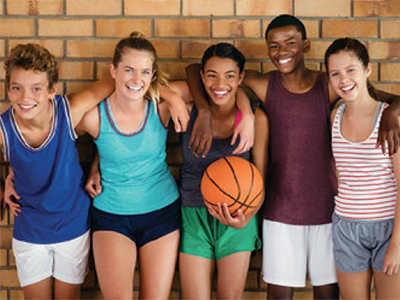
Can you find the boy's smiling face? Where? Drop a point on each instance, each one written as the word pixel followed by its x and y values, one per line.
pixel 286 48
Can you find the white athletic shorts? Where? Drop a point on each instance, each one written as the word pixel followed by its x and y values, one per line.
pixel 65 261
pixel 292 251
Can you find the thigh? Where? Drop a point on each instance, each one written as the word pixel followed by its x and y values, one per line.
pixel 195 285
pixel 115 258
pixel 34 262
pixel 387 287
pixel 232 274
pixel 157 261
pixel 66 291
pixel 40 290
pixel 284 254
pixel 354 285
pixel 321 265
pixel 71 260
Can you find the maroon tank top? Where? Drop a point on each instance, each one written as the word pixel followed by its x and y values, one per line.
pixel 301 178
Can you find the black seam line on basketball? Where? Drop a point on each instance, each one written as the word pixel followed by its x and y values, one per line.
pixel 234 176
pixel 218 187
pixel 244 201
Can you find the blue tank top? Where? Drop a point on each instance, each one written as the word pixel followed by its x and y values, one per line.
pixel 193 166
pixel 54 204
pixel 134 174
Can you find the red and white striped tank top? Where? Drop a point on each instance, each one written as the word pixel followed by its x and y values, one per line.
pixel 367 186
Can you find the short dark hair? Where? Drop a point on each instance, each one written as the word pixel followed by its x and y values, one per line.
pixel 287 20
pixel 224 50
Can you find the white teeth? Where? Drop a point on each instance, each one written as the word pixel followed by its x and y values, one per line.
pixel 221 92
pixel 285 61
pixel 135 88
pixel 347 88
pixel 26 106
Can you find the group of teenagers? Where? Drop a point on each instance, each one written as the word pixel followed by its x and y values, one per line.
pixel 341 238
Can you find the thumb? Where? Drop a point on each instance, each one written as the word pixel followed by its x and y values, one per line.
pixel 16 196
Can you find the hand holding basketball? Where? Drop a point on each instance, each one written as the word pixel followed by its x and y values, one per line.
pixel 238 221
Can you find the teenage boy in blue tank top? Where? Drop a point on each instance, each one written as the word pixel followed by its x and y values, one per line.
pixel 51 230
pixel 302 184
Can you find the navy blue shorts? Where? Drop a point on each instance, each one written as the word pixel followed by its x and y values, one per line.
pixel 143 228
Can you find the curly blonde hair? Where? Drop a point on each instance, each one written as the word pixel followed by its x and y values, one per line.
pixel 32 57
pixel 138 41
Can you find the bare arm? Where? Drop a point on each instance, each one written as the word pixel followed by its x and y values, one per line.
pixel 391 264
pixel 201 138
pixel 83 101
pixel 93 183
pixel 177 108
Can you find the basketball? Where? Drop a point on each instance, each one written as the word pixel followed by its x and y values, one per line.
pixel 232 180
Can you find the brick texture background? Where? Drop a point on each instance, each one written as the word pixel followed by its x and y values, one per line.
pixel 83 33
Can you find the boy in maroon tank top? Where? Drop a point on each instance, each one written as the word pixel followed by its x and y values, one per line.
pixel 302 182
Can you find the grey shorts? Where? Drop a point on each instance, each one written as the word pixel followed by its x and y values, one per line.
pixel 360 245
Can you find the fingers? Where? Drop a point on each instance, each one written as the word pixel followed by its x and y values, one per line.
pixel 234 137
pixel 242 147
pixel 200 145
pixel 177 124
pixel 14 207
pixel 93 187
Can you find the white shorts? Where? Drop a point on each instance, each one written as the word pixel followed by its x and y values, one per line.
pixel 291 250
pixel 65 261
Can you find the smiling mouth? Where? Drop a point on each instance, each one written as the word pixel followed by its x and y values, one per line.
pixel 134 88
pixel 347 88
pixel 26 106
pixel 285 61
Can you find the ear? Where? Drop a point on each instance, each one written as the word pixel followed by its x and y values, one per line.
pixel 241 77
pixel 53 91
pixel 369 69
pixel 113 70
pixel 306 45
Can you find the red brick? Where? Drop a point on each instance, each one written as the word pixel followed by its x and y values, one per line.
pixel 374 74
pixel 263 7
pixel 16 295
pixel 323 8
pixel 256 295
pixel 16 27
pixel 71 27
pixel 377 8
pixel 103 69
pixel 9 278
pixel 253 49
pixel 152 7
pixel 175 70
pixel 2 96
pixel 390 72
pixel 195 49
pixel 73 87
pixel 300 295
pixel 94 7
pixel 122 27
pixel 11 258
pixel 39 7
pixel 336 28
pixel 76 70
pixel 312 27
pixel 393 88
pixel 6 237
pixel 91 295
pixel 2 48
pixel 166 49
pixel 317 50
pixel 54 46
pixel 91 48
pixel 256 66
pixel 236 28
pixel 182 28
pixel 3 257
pixel 390 29
pixel 3 107
pixel 207 8
pixel 2 71
pixel 3 293
pixel 384 50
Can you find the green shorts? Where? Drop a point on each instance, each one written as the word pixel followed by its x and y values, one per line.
pixel 203 235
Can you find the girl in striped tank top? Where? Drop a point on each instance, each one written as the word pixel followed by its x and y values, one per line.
pixel 366 230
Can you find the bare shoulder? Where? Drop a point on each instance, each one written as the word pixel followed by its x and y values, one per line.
pixel 257 82
pixel 90 123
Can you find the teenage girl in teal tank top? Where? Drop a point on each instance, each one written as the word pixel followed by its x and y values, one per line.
pixel 136 210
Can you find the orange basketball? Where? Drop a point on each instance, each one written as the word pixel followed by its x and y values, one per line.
pixel 235 181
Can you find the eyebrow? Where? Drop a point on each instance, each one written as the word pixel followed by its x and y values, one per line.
pixel 213 71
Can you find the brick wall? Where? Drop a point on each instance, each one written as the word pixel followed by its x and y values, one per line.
pixel 83 33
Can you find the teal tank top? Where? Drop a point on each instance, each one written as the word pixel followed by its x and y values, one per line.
pixel 134 174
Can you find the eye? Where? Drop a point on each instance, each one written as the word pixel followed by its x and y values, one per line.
pixel 37 89
pixel 15 88
pixel 211 76
pixel 291 43
pixel 272 46
pixel 146 72
pixel 351 70
pixel 230 76
pixel 333 74
pixel 129 71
